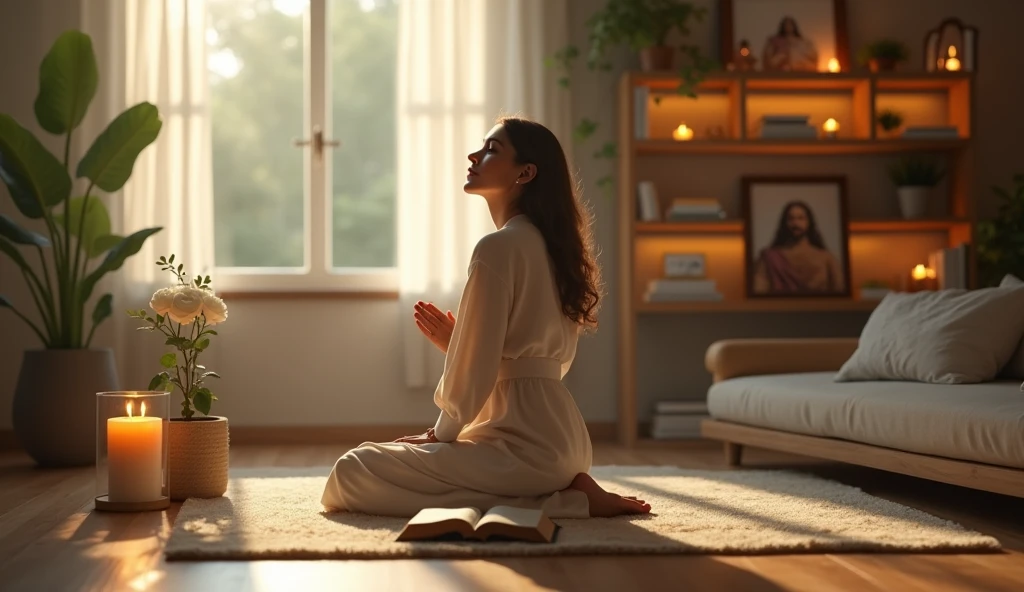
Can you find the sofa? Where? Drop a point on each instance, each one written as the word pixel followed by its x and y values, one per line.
pixel 780 394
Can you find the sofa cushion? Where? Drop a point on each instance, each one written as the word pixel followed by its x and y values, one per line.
pixel 1015 367
pixel 976 422
pixel 944 337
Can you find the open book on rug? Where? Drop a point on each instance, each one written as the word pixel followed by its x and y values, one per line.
pixel 499 523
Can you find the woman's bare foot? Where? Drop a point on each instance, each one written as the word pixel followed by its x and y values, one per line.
pixel 604 504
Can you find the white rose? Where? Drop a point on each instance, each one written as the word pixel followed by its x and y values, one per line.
pixel 162 299
pixel 214 308
pixel 187 305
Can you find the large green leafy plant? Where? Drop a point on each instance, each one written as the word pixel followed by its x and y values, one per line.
pixel 636 24
pixel 1000 241
pixel 79 249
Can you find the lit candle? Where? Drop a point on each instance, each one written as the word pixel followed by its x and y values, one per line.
pixel 831 126
pixel 919 273
pixel 135 454
pixel 952 63
pixel 682 133
pixel 833 65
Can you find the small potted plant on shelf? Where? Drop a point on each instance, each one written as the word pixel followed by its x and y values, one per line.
pixel 890 122
pixel 883 55
pixel 643 25
pixel 915 181
pixel 198 446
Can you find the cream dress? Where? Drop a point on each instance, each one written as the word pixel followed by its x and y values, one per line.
pixel 510 432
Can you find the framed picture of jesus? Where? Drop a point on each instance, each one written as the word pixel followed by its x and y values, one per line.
pixel 796 242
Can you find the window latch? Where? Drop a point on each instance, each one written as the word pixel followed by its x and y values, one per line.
pixel 318 142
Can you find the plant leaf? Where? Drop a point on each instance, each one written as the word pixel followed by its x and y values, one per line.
pixel 95 225
pixel 169 360
pixel 67 83
pixel 13 253
pixel 158 381
pixel 203 400
pixel 110 159
pixel 203 343
pixel 104 308
pixel 34 176
pixel 213 374
pixel 115 259
pixel 102 244
pixel 179 342
pixel 10 230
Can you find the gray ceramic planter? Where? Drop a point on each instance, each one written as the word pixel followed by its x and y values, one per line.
pixel 54 411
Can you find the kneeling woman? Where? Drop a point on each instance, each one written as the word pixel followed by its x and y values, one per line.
pixel 509 432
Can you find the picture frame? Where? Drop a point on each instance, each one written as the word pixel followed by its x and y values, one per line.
pixel 759 24
pixel 685 265
pixel 951 32
pixel 796 237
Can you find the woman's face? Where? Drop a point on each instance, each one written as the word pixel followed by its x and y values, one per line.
pixel 493 169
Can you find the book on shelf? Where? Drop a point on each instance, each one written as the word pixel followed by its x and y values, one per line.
pixel 931 132
pixel 950 265
pixel 498 523
pixel 695 209
pixel 681 407
pixel 682 297
pixel 648 208
pixel 677 426
pixel 789 132
pixel 640 95
pixel 785 119
pixel 682 286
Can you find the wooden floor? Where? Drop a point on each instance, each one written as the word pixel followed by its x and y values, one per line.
pixel 50 540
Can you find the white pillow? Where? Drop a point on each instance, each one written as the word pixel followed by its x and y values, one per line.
pixel 945 337
pixel 1015 367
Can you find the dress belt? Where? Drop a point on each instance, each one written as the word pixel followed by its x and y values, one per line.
pixel 530 368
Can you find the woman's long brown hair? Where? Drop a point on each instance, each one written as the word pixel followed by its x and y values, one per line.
pixel 552 202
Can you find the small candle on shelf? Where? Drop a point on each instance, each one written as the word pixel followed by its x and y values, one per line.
pixel 952 62
pixel 135 453
pixel 831 126
pixel 833 65
pixel 682 133
pixel 923 278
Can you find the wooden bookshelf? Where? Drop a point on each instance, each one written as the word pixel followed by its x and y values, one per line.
pixel 735 226
pixel 808 147
pixel 734 102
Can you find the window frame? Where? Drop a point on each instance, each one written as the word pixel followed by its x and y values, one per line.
pixel 317 275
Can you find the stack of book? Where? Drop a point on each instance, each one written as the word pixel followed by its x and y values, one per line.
pixel 682 290
pixel 678 419
pixel 931 132
pixel 950 267
pixel 694 209
pixel 787 127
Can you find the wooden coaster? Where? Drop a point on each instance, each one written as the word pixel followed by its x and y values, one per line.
pixel 103 504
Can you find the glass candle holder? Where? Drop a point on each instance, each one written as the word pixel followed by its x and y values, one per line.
pixel 131 450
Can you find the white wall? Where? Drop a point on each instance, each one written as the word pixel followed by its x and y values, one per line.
pixel 338 362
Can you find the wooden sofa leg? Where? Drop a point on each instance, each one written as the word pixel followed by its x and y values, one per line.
pixel 733 453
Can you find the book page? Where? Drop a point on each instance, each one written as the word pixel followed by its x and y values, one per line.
pixel 435 515
pixel 521 517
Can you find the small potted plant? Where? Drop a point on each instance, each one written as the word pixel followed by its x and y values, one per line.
pixel 915 180
pixel 883 55
pixel 890 122
pixel 198 446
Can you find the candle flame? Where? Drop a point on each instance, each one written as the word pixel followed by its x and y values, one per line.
pixel 143 405
pixel 920 272
pixel 128 408
pixel 833 65
pixel 952 51
pixel 831 125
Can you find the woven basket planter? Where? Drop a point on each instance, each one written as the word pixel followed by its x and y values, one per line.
pixel 198 458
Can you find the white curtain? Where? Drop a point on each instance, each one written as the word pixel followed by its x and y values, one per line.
pixel 154 51
pixel 461 64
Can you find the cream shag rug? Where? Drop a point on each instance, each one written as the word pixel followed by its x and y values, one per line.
pixel 276 514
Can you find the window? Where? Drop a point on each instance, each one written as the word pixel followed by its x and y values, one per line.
pixel 303 129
